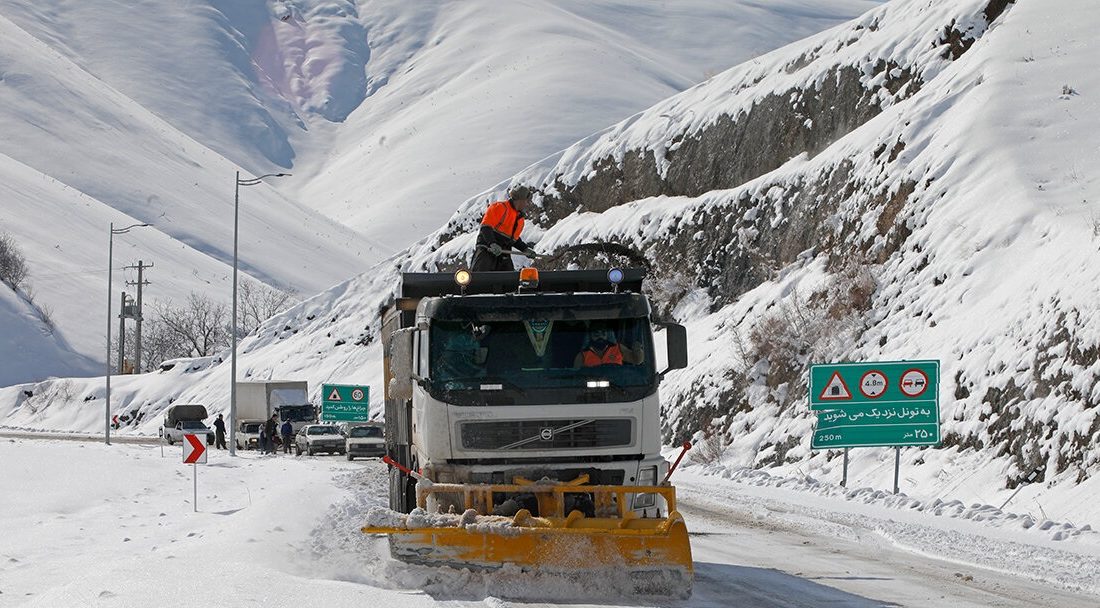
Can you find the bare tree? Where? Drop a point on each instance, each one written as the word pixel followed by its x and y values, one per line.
pixel 200 325
pixel 13 266
pixel 158 344
pixel 259 302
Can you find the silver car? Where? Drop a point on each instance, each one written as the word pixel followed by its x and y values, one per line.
pixel 314 438
pixel 365 440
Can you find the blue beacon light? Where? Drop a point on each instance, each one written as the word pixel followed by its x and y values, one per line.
pixel 615 276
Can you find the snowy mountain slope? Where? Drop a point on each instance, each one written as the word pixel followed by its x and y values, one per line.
pixel 68 274
pixel 474 91
pixel 149 107
pixel 193 64
pixel 77 155
pixel 27 332
pixel 393 110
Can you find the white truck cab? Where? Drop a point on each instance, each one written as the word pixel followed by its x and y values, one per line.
pixel 487 383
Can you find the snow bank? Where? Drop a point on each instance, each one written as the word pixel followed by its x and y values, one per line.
pixel 986 515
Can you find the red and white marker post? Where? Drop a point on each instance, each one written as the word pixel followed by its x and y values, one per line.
pixel 194 454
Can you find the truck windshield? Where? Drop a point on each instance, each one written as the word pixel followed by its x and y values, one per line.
pixel 533 361
pixel 296 413
pixel 288 396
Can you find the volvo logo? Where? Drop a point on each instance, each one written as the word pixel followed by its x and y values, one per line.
pixel 546 434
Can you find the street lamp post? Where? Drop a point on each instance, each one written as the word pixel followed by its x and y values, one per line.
pixel 248 181
pixel 110 296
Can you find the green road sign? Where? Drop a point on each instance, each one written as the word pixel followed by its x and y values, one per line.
pixel 892 403
pixel 345 403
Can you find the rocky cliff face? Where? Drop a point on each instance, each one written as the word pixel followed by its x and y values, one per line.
pixel 794 197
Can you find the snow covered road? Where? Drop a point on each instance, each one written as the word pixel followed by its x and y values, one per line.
pixel 767 551
pixel 85 524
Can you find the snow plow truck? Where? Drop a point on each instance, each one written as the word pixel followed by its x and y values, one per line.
pixel 523 426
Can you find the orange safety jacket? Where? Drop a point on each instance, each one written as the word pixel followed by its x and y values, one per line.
pixel 612 356
pixel 502 217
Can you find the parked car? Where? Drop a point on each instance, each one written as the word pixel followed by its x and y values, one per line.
pixel 314 438
pixel 248 435
pixel 365 440
pixel 185 419
pixel 188 427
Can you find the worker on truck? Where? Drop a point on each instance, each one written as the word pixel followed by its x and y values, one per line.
pixel 602 348
pixel 500 233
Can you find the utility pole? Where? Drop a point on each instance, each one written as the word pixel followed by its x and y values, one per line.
pixel 122 334
pixel 110 294
pixel 139 315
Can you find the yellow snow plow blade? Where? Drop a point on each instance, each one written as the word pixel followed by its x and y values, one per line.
pixel 654 550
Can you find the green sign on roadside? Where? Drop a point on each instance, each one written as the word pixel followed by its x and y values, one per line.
pixel 893 403
pixel 345 403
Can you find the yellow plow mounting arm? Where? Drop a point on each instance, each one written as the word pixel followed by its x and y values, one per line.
pixel 655 551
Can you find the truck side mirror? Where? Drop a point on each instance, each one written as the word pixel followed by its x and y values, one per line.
pixel 676 340
pixel 401 354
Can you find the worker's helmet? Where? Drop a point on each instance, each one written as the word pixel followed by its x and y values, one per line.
pixel 519 193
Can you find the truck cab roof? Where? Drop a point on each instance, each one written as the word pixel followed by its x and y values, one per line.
pixel 426 284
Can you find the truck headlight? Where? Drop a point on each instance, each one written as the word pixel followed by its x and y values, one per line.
pixel 646 477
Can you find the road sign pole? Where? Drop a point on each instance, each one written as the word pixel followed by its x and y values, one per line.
pixel 897 466
pixel 194 453
pixel 844 480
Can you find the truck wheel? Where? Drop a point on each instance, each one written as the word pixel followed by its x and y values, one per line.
pixel 397 502
pixel 402 491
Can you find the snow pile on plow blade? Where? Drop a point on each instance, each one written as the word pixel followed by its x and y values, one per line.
pixel 655 552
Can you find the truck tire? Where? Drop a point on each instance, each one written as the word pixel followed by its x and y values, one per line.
pixel 402 491
pixel 397 499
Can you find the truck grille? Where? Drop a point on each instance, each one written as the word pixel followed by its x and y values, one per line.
pixel 546 434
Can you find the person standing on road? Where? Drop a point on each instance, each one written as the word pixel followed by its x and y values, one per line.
pixel 270 428
pixel 288 433
pixel 219 433
pixel 499 233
